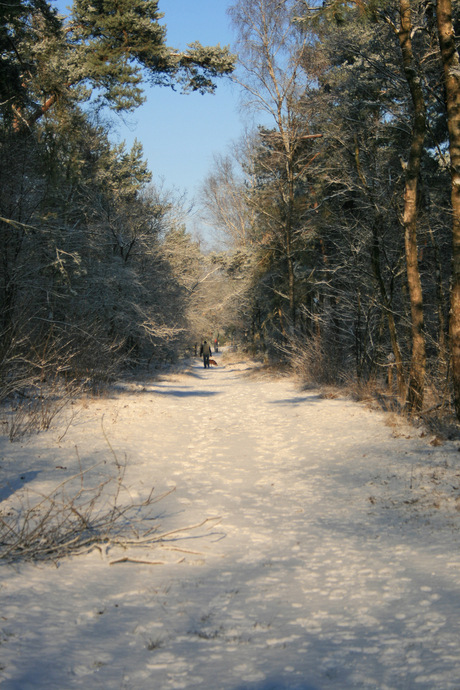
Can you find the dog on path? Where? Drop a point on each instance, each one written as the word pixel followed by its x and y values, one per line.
pixel 213 361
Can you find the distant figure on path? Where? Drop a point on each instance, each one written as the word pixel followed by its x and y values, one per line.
pixel 206 353
pixel 216 346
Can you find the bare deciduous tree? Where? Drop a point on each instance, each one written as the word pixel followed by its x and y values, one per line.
pixel 272 75
pixel 224 198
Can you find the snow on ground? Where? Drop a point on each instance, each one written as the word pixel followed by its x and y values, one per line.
pixel 335 563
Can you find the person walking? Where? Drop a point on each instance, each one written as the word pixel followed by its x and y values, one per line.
pixel 207 352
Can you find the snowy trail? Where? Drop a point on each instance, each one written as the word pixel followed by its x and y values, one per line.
pixel 335 564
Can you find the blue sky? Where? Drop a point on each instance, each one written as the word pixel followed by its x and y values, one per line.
pixel 180 133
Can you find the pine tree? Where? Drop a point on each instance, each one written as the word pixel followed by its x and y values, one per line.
pixel 111 46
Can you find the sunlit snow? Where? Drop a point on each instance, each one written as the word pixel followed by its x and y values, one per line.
pixel 331 559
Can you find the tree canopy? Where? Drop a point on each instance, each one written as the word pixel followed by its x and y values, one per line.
pixel 109 47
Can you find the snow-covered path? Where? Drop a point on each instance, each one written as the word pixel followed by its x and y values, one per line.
pixel 335 564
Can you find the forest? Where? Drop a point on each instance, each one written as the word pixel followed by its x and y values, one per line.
pixel 338 222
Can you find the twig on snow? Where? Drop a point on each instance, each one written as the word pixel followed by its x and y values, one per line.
pixel 129 559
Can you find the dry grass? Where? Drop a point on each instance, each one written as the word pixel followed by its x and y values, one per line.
pixel 34 409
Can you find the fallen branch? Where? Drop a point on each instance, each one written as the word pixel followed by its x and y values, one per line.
pixel 77 517
pixel 128 559
pixel 160 537
pixel 176 548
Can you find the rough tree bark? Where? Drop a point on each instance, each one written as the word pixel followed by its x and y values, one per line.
pixel 418 359
pixel 451 63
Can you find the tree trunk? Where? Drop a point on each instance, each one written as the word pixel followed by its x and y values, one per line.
pixel 291 274
pixel 375 258
pixel 442 345
pixel 451 64
pixel 418 359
